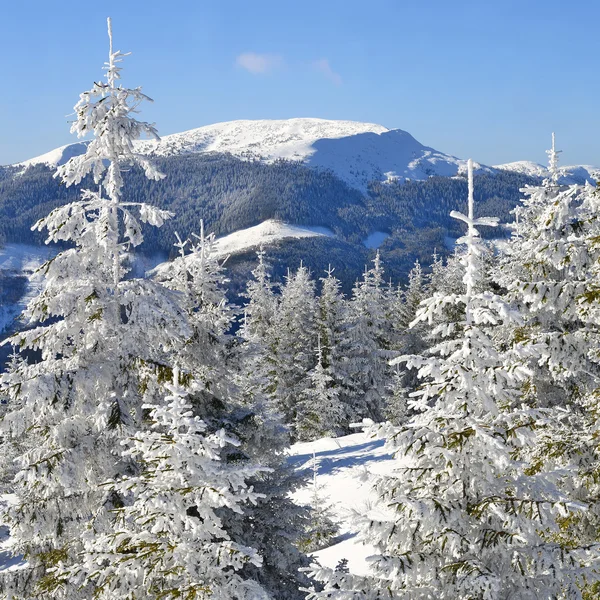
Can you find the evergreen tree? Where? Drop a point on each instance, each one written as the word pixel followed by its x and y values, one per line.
pixel 295 337
pixel 366 340
pixel 199 278
pixel 259 311
pixel 95 333
pixel 403 307
pixel 168 540
pixel 550 269
pixel 322 529
pixel 459 519
pixel 320 412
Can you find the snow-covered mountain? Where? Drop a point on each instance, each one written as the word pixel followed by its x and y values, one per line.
pixel 569 174
pixel 355 152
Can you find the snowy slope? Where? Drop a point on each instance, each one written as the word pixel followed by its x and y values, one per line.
pixel 252 238
pixel 56 157
pixel 268 232
pixel 345 467
pixel 356 152
pixel 569 174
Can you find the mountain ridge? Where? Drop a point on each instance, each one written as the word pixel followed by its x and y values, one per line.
pixel 356 152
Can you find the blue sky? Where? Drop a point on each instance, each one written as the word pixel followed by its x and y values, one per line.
pixel 484 79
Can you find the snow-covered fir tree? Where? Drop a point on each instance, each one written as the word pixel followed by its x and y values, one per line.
pixel 198 275
pixel 226 391
pixel 367 338
pixel 295 337
pixel 95 334
pixel 257 330
pixel 550 269
pixel 320 412
pixel 168 540
pixel 460 518
pixel 259 311
pixel 331 321
pixel 403 305
pixel 321 530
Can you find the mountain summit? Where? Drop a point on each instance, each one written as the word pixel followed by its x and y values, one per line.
pixel 356 152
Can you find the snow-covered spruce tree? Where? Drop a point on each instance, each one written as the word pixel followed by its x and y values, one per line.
pixel 199 278
pixel 403 305
pixel 459 519
pixel 321 529
pixel 550 270
pixel 257 330
pixel 320 411
pixel 295 338
pixel 331 308
pixel 545 268
pixel 168 540
pixel 366 340
pixel 92 331
pixel 226 391
pixel 259 311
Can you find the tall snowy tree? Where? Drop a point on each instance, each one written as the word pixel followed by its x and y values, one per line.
pixel 545 268
pixel 320 411
pixel 261 307
pixel 295 338
pixel 199 278
pixel 366 340
pixel 93 332
pixel 402 310
pixel 550 269
pixel 460 519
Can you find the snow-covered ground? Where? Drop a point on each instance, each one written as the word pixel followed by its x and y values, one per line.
pixel 356 152
pixel 345 466
pixel 268 232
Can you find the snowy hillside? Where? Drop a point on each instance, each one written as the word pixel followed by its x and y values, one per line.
pixel 56 157
pixel 266 233
pixel 356 152
pixel 345 468
pixel 569 174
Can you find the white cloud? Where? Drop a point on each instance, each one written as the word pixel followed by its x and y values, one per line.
pixel 259 63
pixel 322 65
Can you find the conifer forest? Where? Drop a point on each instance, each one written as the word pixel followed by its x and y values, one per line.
pixel 148 419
